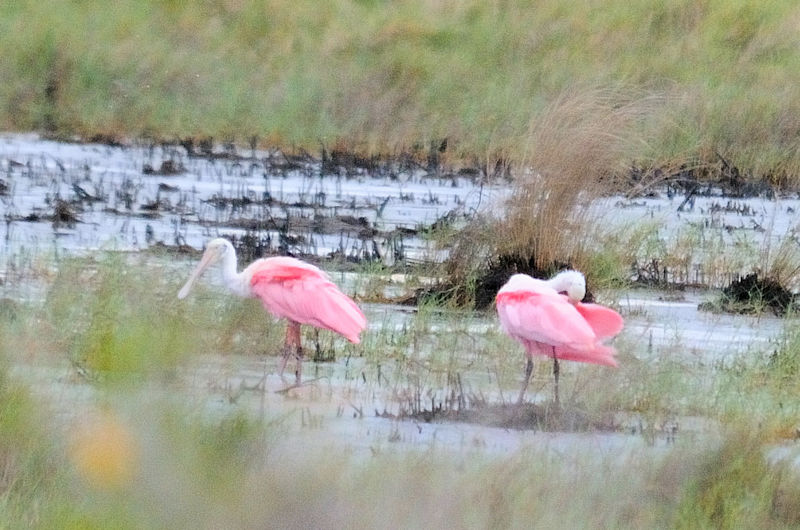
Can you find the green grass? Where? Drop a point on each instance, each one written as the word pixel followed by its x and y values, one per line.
pixel 715 76
pixel 126 317
pixel 140 453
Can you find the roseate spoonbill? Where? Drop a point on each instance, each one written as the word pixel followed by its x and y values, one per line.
pixel 289 288
pixel 548 323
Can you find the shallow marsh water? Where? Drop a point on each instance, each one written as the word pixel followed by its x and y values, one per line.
pixel 347 406
pixel 709 239
pixel 122 205
pixel 124 201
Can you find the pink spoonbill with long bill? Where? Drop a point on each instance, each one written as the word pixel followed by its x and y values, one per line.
pixel 288 288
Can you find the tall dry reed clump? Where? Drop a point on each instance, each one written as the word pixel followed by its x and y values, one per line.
pixel 578 148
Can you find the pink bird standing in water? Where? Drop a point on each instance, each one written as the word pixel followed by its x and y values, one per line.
pixel 551 324
pixel 289 288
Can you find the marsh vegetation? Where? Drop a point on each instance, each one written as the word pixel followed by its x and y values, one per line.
pixel 380 78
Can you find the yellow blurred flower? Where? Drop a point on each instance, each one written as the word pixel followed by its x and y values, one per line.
pixel 104 452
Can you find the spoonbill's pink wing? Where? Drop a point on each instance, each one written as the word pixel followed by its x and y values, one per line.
pixel 596 354
pixel 600 354
pixel 304 294
pixel 604 321
pixel 544 318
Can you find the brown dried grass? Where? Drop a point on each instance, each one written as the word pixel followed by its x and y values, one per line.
pixel 578 149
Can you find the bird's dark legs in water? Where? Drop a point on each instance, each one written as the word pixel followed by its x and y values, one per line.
pixel 293 346
pixel 528 371
pixel 298 373
pixel 555 375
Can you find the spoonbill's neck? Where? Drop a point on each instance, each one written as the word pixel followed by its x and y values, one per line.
pixel 233 279
pixel 558 283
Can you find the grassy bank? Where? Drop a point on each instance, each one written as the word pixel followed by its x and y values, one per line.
pixel 698 77
pixel 135 450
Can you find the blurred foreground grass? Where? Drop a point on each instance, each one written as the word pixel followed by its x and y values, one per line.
pixel 698 78
pixel 134 454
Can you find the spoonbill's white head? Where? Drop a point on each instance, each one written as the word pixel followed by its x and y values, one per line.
pixel 571 282
pixel 216 250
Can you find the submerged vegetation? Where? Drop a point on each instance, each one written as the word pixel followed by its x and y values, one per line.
pixel 701 82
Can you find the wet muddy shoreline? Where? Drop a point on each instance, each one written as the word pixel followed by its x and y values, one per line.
pixel 75 196
pixel 337 206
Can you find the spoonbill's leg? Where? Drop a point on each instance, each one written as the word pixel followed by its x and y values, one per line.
pixel 528 371
pixel 555 375
pixel 291 344
pixel 298 353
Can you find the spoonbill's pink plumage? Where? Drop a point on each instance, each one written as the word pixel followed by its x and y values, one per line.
pixel 604 321
pixel 555 325
pixel 289 288
pixel 300 292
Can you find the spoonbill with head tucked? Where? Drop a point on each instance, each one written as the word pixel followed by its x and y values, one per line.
pixel 289 288
pixel 551 324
